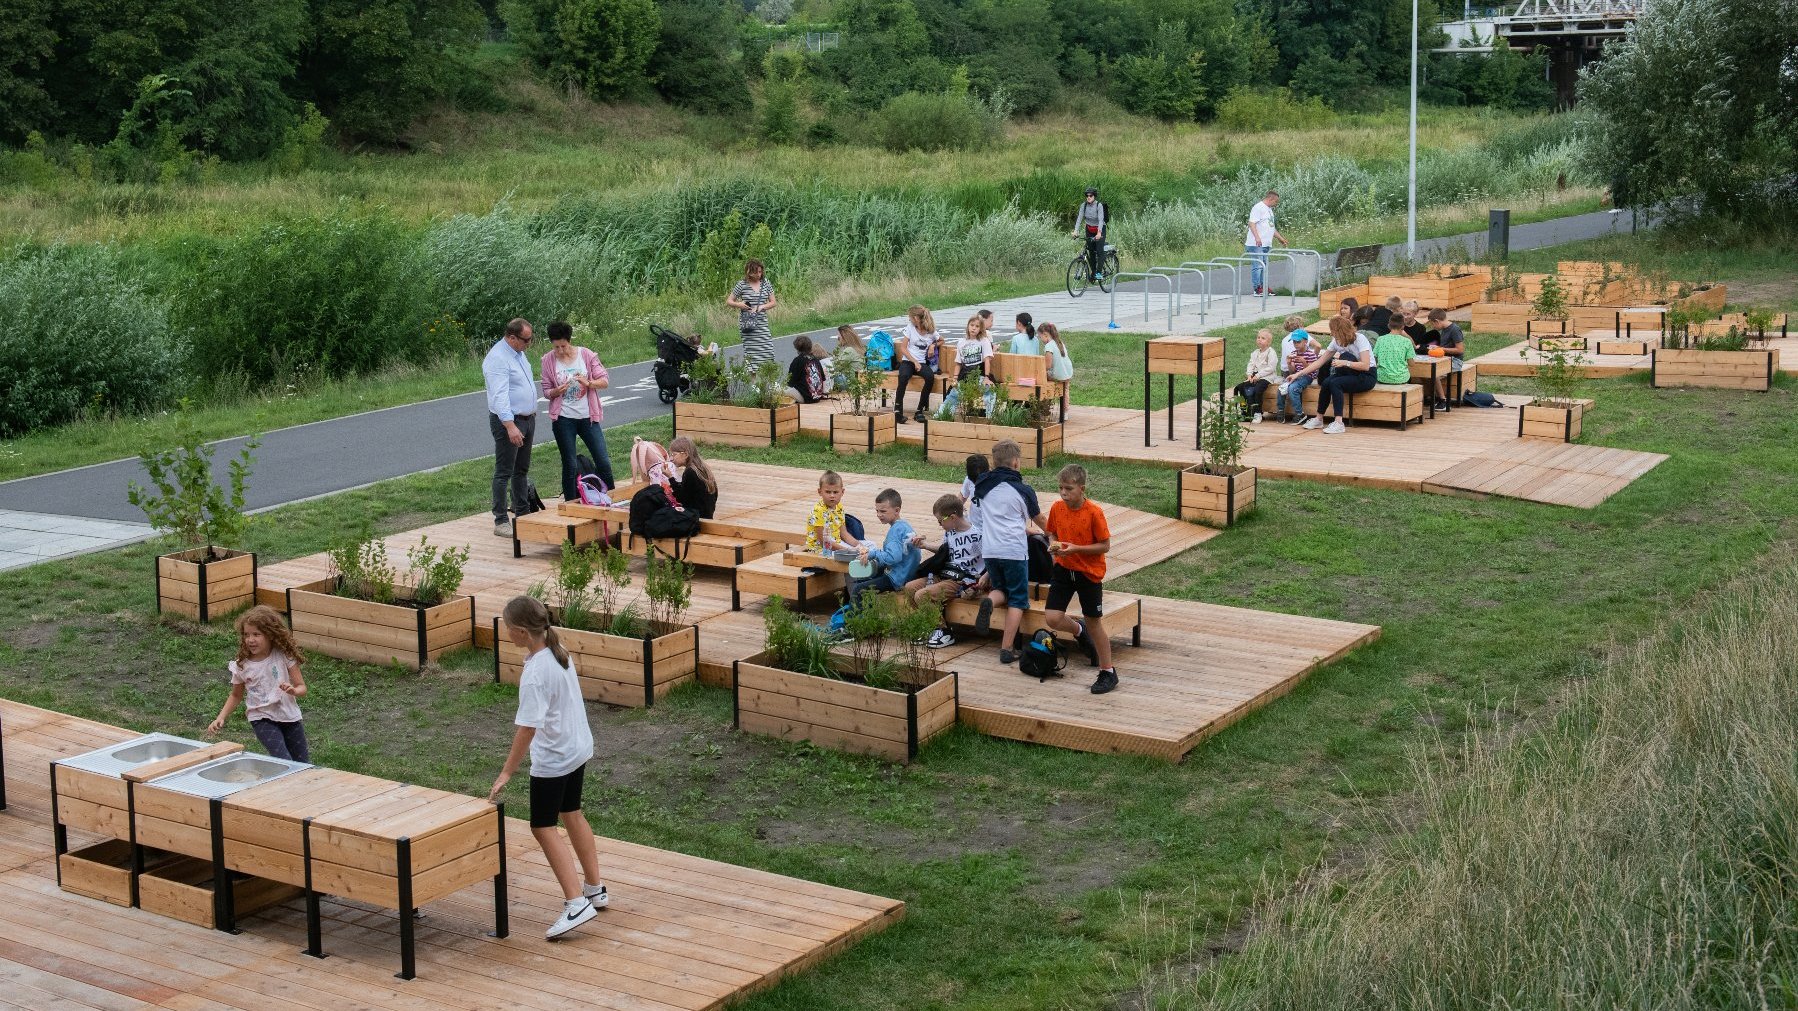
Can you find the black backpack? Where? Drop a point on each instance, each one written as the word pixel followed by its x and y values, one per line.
pixel 1041 657
pixel 653 517
pixel 1042 564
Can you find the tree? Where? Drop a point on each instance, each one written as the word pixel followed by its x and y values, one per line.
pixel 26 44
pixel 602 45
pixel 373 65
pixel 886 52
pixel 1701 100
pixel 693 66
pixel 1166 81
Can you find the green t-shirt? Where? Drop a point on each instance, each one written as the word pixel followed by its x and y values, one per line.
pixel 1392 357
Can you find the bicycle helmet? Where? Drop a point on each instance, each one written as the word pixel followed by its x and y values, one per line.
pixel 1092 191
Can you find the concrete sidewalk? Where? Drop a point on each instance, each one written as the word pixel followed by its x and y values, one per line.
pixel 339 454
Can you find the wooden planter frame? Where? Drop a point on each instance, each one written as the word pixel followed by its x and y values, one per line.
pixel 863 433
pixel 1731 370
pixel 1539 421
pixel 366 632
pixel 1214 499
pixel 842 715
pixel 954 440
pixel 199 588
pixel 731 425
pixel 615 669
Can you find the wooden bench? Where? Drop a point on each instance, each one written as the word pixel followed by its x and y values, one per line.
pixel 1026 377
pixel 1353 258
pixel 773 576
pixel 1394 403
pixel 940 384
pixel 1120 608
pixel 550 526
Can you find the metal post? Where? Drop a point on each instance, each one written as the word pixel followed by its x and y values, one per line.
pixel 1411 190
pixel 1498 235
pixel 502 921
pixel 408 954
pixel 315 940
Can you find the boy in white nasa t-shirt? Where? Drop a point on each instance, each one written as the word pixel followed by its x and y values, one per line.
pixel 552 727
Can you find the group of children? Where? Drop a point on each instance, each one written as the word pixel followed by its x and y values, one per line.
pixel 1367 346
pixel 984 553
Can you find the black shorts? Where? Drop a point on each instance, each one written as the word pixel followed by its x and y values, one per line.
pixel 1066 584
pixel 554 796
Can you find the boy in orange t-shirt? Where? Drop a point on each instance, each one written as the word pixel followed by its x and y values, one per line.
pixel 1079 538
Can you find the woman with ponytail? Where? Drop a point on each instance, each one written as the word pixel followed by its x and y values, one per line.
pixel 551 726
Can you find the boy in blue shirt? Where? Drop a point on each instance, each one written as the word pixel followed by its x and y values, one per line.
pixel 898 554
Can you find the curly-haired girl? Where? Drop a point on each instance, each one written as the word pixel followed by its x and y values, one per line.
pixel 267 670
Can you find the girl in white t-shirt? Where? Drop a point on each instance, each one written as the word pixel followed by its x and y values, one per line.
pixel 266 678
pixel 552 728
pixel 919 342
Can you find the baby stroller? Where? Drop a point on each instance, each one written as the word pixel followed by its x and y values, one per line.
pixel 673 354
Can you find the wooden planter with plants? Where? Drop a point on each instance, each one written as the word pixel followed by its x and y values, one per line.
pixel 1432 290
pixel 622 656
pixel 1551 419
pixel 731 425
pixel 363 612
pixel 1218 489
pixel 805 686
pixel 1717 369
pixel 863 433
pixel 203 580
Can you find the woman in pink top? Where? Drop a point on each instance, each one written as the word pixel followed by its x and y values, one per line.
pixel 572 379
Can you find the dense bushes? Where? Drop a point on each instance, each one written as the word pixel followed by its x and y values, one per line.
pixel 78 332
pixel 944 121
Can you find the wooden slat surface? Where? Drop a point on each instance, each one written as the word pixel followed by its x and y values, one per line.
pixel 682 932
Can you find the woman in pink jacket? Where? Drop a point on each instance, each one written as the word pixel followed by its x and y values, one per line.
pixel 572 379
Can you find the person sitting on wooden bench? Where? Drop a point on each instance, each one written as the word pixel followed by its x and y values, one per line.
pixel 1348 359
pixel 1453 343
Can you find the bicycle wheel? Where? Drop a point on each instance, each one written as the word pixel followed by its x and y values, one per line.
pixel 1107 281
pixel 1079 276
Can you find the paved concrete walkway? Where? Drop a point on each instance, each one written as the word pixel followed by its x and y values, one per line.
pixel 325 457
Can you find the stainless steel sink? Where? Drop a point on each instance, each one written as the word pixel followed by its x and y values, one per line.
pixel 224 776
pixel 118 759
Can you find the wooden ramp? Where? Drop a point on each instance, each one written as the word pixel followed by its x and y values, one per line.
pixel 681 932
pixel 1543 471
pixel 1374 455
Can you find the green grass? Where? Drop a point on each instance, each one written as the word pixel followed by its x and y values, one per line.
pixel 1037 877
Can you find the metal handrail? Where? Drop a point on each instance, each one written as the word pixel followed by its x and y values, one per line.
pixel 1146 278
pixel 1231 267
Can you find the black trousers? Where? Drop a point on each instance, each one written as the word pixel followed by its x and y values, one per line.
pixel 1095 253
pixel 906 371
pixel 1338 385
pixel 1252 391
pixel 511 464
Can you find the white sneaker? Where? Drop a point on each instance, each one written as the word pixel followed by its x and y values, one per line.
pixel 940 638
pixel 1314 423
pixel 1335 428
pixel 596 894
pixel 1256 420
pixel 571 918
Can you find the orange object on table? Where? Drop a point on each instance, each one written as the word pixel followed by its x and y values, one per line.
pixel 1435 352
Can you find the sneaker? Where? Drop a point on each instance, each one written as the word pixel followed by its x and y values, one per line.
pixel 983 618
pixel 1086 644
pixel 596 894
pixel 503 528
pixel 918 417
pixel 1007 656
pixel 1312 424
pixel 1441 405
pixel 1335 428
pixel 1107 680
pixel 1256 420
pixel 1295 419
pixel 572 917
pixel 940 638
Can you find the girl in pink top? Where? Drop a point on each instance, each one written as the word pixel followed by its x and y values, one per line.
pixel 266 678
pixel 572 379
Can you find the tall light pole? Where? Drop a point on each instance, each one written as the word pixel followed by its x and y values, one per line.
pixel 1411 194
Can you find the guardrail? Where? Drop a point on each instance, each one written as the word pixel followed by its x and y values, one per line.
pixel 1146 278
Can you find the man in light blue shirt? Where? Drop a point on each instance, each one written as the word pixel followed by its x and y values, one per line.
pixel 512 416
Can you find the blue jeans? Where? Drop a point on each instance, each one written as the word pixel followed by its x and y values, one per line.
pixel 567 431
pixel 1293 400
pixel 1258 269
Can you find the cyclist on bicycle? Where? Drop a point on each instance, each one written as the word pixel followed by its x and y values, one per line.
pixel 1089 222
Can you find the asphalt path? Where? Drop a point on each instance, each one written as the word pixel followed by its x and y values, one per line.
pixel 325 457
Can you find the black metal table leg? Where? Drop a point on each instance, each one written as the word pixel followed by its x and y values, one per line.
pixel 315 935
pixel 502 920
pixel 224 905
pixel 408 955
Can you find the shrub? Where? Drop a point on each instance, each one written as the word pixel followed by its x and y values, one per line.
pixel 54 304
pixel 485 270
pixel 1166 82
pixel 185 504
pixel 1011 242
pixel 693 66
pixel 603 45
pixel 1251 109
pixel 934 122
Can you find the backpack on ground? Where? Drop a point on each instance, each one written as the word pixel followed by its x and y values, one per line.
pixel 1479 398
pixel 880 350
pixel 533 502
pixel 1041 657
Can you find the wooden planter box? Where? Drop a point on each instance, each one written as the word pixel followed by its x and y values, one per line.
pixel 844 715
pixel 614 669
pixel 1730 370
pixel 1561 424
pixel 863 433
pixel 730 425
pixel 1330 298
pixel 953 441
pixel 1622 347
pixel 1215 499
pixel 1709 296
pixel 1430 290
pixel 181 889
pixel 368 632
pixel 186 583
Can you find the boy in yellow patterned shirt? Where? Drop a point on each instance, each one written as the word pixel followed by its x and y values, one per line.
pixel 825 526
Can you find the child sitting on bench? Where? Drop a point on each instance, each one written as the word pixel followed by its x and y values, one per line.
pixel 960 573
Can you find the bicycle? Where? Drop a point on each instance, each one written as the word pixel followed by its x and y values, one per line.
pixel 1080 272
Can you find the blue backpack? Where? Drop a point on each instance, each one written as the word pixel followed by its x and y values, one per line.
pixel 880 350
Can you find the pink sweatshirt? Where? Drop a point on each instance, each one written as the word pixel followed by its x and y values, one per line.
pixel 552 379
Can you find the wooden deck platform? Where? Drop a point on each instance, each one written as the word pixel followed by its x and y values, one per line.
pixel 1415 459
pixel 1521 360
pixel 1542 471
pixel 681 932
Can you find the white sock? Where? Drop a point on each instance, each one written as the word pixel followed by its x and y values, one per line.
pixel 588 891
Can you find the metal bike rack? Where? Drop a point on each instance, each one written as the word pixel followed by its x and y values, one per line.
pixel 1146 278
pixel 1179 276
pixel 1249 261
pixel 1231 267
pixel 1291 256
pixel 1317 275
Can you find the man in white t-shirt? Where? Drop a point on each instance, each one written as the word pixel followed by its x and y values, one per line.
pixel 1260 238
